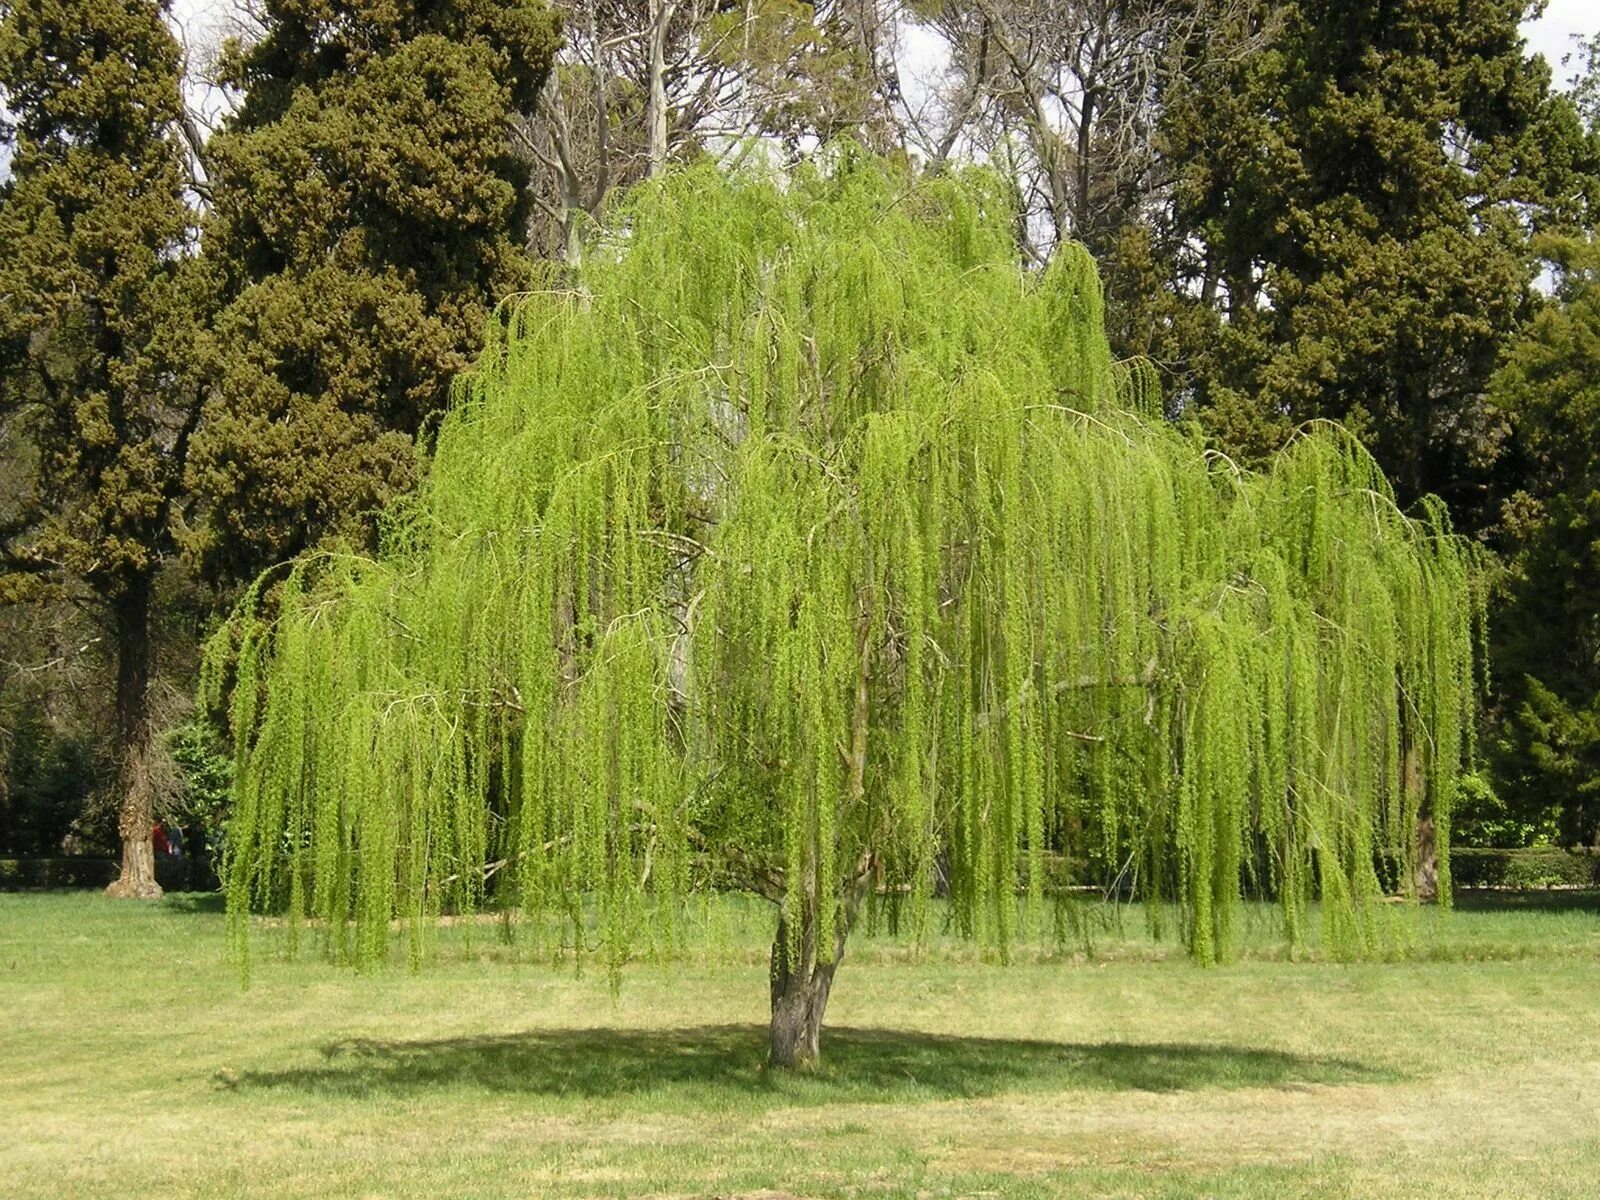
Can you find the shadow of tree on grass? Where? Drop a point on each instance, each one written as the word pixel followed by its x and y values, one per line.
pixel 195 903
pixel 709 1063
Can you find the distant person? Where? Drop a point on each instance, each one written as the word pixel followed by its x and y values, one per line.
pixel 158 836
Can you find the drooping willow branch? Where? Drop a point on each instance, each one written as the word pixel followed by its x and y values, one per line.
pixel 773 534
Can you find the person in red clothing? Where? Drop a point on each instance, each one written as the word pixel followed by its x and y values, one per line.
pixel 158 835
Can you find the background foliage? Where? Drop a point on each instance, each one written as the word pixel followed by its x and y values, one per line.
pixel 1301 209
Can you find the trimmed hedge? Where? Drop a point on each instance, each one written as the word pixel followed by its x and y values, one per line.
pixel 1521 870
pixel 35 874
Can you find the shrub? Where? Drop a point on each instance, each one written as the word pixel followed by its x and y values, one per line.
pixel 207 777
pixel 49 778
pixel 1535 867
pixel 1482 818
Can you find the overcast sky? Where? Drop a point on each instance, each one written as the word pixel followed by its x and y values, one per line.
pixel 1551 35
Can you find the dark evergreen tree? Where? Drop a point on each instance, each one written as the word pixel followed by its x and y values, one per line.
pixel 1351 233
pixel 96 332
pixel 1547 643
pixel 368 213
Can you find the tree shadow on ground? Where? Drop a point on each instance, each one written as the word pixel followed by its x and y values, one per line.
pixel 193 903
pixel 724 1061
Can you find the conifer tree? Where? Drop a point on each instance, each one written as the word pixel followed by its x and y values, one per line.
pixel 1351 233
pixel 802 539
pixel 1547 648
pixel 367 212
pixel 96 333
pixel 96 328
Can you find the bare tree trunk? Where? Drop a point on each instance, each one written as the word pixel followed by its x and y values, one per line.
pixel 661 13
pixel 136 815
pixel 800 987
pixel 1427 861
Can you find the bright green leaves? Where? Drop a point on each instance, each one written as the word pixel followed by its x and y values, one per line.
pixel 810 542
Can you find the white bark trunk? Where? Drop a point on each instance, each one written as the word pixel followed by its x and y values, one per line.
pixel 661 14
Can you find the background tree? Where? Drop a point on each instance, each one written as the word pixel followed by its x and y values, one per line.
pixel 1547 643
pixel 367 211
pixel 56 785
pixel 1353 221
pixel 808 539
pixel 1071 97
pixel 96 340
pixel 638 85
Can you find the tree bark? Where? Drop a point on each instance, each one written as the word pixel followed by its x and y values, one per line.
pixel 136 812
pixel 800 987
pixel 801 977
pixel 1427 861
pixel 661 14
pixel 1426 879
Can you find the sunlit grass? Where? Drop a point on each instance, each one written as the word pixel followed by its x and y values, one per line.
pixel 1099 1063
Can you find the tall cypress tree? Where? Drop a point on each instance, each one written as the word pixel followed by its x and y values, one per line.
pixel 1354 220
pixel 368 212
pixel 95 335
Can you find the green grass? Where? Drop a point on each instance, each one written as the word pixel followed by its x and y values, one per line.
pixel 132 1064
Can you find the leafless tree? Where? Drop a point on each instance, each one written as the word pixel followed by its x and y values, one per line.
pixel 1068 94
pixel 643 82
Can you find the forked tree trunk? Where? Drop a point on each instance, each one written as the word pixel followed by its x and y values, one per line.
pixel 136 811
pixel 802 976
pixel 800 987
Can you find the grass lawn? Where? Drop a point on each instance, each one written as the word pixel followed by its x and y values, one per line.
pixel 132 1064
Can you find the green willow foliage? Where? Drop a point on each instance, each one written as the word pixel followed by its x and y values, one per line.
pixel 809 533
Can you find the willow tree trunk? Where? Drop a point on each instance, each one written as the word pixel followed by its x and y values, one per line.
pixel 801 976
pixel 1427 861
pixel 800 987
pixel 136 811
pixel 1426 878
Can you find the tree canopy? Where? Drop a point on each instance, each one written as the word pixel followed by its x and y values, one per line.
pixel 1352 218
pixel 367 210
pixel 803 532
pixel 1547 645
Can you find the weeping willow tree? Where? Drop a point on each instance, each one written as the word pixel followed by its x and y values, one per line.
pixel 805 533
